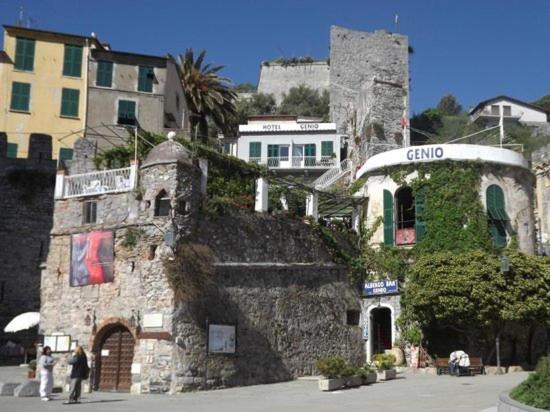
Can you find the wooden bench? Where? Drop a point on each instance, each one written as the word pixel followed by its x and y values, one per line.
pixel 442 366
pixel 476 366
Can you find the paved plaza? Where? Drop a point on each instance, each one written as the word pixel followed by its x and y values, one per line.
pixel 410 392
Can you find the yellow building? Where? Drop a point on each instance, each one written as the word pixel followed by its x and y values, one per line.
pixel 43 88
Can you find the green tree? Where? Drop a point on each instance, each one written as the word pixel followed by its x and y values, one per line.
pixel 208 95
pixel 543 102
pixel 449 106
pixel 257 104
pixel 305 101
pixel 244 88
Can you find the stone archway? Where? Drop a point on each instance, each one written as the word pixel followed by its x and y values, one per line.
pixel 114 349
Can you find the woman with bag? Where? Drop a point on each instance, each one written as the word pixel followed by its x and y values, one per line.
pixel 46 364
pixel 79 372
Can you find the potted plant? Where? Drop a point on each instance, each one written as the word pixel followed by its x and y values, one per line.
pixel 384 364
pixel 331 369
pixel 352 377
pixel 367 374
pixel 31 373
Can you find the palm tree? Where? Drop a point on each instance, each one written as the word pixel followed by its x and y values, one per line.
pixel 208 95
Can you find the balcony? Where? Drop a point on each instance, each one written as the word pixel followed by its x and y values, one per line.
pixel 297 162
pixel 96 183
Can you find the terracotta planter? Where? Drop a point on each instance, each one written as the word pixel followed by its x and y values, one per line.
pixel 387 375
pixel 371 378
pixel 399 355
pixel 353 381
pixel 331 384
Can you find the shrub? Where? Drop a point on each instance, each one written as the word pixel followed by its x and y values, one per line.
pixel 331 366
pixel 535 390
pixel 384 361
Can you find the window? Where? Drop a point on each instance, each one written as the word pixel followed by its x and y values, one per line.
pixel 507 110
pixel 89 212
pixel 69 102
pixel 497 215
pixel 24 54
pixel 20 96
pixel 255 150
pixel 352 317
pixel 126 112
pixel 162 204
pixel 65 154
pixel 104 73
pixel 283 152
pixel 310 155
pixel 495 110
pixel 273 155
pixel 72 62
pixel 145 81
pixel 12 150
pixel 327 149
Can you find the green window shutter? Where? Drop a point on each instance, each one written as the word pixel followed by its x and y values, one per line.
pixel 126 112
pixel 497 215
pixel 72 62
pixel 24 54
pixel 65 154
pixel 145 81
pixel 498 233
pixel 12 150
pixel 419 205
pixel 69 102
pixel 273 150
pixel 327 148
pixel 104 73
pixel 20 96
pixel 388 218
pixel 255 149
pixel 309 150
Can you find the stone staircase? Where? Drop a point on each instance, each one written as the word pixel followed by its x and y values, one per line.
pixel 331 176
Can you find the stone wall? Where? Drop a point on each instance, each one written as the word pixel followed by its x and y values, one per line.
pixel 369 81
pixel 541 168
pixel 26 202
pixel 278 79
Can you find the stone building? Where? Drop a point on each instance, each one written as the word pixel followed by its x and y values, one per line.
pixel 168 297
pixel 26 202
pixel 541 168
pixel 505 191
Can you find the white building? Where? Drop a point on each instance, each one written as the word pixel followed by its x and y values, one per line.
pixel 291 143
pixel 513 110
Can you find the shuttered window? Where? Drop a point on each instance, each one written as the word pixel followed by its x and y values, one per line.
pixel 20 96
pixel 24 54
pixel 12 150
pixel 126 112
pixel 327 148
pixel 72 62
pixel 255 149
pixel 69 102
pixel 388 218
pixel 419 206
pixel 498 217
pixel 273 150
pixel 65 154
pixel 145 81
pixel 104 73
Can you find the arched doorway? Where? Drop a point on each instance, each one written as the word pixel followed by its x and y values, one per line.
pixel 114 356
pixel 381 330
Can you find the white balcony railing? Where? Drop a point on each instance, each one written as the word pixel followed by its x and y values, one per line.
pixel 297 162
pixel 94 183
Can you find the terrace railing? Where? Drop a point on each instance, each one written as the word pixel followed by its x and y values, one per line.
pixel 95 183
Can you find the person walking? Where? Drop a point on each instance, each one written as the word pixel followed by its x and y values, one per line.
pixel 79 372
pixel 46 364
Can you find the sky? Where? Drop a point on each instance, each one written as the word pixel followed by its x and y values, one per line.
pixel 473 49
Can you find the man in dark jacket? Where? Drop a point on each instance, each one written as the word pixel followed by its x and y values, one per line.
pixel 79 372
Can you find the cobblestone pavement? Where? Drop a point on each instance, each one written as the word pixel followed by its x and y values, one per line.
pixel 410 392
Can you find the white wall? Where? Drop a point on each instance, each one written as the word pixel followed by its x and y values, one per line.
pixel 525 114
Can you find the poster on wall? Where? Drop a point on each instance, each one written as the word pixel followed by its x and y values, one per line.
pixel 58 343
pixel 221 338
pixel 91 258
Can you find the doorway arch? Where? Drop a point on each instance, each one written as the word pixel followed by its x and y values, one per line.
pixel 114 348
pixel 381 329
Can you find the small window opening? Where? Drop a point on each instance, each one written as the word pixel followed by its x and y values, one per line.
pixel 405 233
pixel 162 204
pixel 89 213
pixel 151 252
pixel 352 317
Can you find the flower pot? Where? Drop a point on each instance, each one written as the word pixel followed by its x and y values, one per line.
pixel 386 375
pixel 399 355
pixel 353 381
pixel 371 378
pixel 331 384
pixel 31 374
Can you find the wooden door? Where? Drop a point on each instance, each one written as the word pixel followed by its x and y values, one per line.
pixel 115 360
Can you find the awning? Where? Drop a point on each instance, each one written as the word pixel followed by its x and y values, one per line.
pixel 22 322
pixel 497 213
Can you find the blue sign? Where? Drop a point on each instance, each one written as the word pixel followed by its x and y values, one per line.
pixel 380 287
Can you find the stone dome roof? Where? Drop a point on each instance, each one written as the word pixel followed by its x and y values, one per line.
pixel 167 152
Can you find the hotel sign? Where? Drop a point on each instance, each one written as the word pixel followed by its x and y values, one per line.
pixel 382 287
pixel 425 153
pixel 287 127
